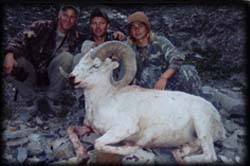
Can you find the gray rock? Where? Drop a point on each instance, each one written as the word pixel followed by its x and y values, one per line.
pixel 228 153
pixel 239 120
pixel 70 161
pixel 34 137
pixel 228 102
pixel 231 93
pixel 231 141
pixel 62 132
pixel 39 121
pixel 45 127
pixel 40 143
pixel 90 138
pixel 230 126
pixel 24 115
pixel 17 134
pixel 35 148
pixel 8 157
pixel 17 142
pixel 22 125
pixel 64 151
pixel 59 142
pixel 239 78
pixel 238 110
pixel 163 156
pixel 225 159
pixel 33 160
pixel 237 159
pixel 22 154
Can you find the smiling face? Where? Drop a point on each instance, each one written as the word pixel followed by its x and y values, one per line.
pixel 99 26
pixel 66 20
pixel 138 31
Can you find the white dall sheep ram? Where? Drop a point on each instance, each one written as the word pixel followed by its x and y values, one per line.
pixel 140 117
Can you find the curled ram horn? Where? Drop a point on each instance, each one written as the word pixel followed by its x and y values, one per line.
pixel 126 57
pixel 64 73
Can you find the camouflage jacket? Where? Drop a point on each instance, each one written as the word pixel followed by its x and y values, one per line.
pixel 154 59
pixel 37 43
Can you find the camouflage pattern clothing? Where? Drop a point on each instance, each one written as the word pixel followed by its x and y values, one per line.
pixel 39 50
pixel 38 45
pixel 158 56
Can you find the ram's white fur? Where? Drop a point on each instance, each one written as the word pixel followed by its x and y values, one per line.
pixel 140 117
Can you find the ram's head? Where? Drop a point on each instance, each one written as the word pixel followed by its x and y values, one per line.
pixel 98 60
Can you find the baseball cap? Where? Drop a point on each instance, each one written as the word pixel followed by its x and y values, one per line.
pixel 70 6
pixel 139 16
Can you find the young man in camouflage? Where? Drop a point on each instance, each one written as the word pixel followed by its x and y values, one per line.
pixel 38 51
pixel 159 63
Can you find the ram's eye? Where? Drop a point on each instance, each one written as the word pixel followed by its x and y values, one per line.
pixel 95 66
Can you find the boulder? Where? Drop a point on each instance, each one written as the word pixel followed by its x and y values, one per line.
pixel 232 102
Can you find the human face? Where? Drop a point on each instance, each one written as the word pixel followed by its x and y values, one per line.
pixel 66 20
pixel 99 26
pixel 138 31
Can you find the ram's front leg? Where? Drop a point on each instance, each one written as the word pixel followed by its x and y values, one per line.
pixel 116 135
pixel 186 150
pixel 206 140
pixel 74 134
pixel 208 153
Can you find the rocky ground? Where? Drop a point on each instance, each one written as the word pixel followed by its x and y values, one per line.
pixel 212 37
pixel 29 138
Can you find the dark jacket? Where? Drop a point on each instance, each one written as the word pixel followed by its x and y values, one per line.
pixel 37 43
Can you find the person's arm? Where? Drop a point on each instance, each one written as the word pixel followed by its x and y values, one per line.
pixel 18 45
pixel 9 63
pixel 163 80
pixel 175 59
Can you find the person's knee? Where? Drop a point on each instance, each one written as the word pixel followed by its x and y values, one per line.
pixel 23 62
pixel 66 57
pixel 24 70
pixel 189 72
pixel 190 78
pixel 64 60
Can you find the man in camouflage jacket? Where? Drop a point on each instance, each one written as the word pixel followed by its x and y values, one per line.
pixel 159 63
pixel 37 52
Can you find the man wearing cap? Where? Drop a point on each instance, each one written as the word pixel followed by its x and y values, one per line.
pixel 159 63
pixel 34 55
pixel 99 24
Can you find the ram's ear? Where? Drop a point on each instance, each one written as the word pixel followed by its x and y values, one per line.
pixel 114 64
